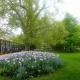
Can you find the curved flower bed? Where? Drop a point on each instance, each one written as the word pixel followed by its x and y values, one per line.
pixel 25 64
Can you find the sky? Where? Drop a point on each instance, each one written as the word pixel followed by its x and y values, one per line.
pixel 70 6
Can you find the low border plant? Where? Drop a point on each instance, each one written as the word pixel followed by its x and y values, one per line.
pixel 28 64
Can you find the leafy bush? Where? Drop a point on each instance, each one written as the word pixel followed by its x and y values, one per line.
pixel 26 64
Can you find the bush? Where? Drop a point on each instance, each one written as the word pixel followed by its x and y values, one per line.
pixel 24 65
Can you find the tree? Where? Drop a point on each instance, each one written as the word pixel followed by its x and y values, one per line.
pixel 70 24
pixel 24 14
pixel 19 39
pixel 59 33
pixel 44 32
pixel 3 34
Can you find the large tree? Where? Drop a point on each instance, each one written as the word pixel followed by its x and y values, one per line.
pixel 24 14
pixel 71 40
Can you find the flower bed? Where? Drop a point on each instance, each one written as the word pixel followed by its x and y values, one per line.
pixel 25 64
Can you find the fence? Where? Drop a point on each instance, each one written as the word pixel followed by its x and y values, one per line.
pixel 8 46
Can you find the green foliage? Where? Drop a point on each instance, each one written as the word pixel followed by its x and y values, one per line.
pixel 66 35
pixel 70 23
pixel 59 33
pixel 18 39
pixel 72 39
pixel 3 34
pixel 40 31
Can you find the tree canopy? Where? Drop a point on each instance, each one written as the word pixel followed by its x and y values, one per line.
pixel 39 29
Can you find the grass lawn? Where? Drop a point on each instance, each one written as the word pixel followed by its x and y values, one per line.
pixel 70 70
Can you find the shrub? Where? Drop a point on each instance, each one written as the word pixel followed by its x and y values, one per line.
pixel 26 64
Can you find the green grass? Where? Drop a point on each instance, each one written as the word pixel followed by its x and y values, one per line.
pixel 70 70
pixel 4 78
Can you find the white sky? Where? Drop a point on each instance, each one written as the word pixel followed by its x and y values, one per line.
pixel 70 6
